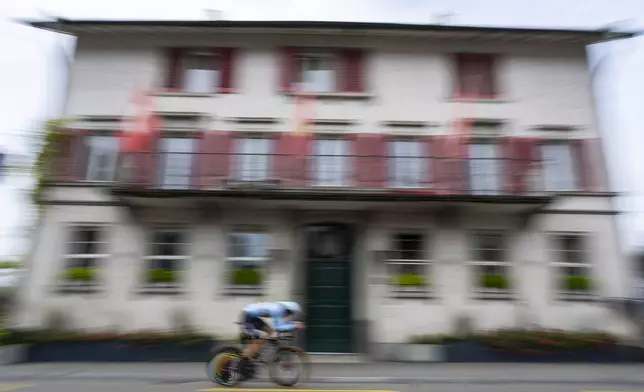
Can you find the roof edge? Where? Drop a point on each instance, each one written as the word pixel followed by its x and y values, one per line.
pixel 60 24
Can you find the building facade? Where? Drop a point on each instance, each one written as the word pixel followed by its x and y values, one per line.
pixel 376 221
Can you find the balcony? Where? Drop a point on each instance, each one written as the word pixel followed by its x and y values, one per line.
pixel 331 177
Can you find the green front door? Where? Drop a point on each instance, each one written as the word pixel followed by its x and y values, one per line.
pixel 328 302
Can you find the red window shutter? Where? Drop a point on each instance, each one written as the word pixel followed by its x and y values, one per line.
pixel 288 68
pixel 476 75
pixel 440 176
pixel 351 71
pixel 511 165
pixel 370 163
pixel 582 155
pixel 173 71
pixel 215 150
pixel 292 161
pixel 432 162
pixel 62 166
pixel 227 57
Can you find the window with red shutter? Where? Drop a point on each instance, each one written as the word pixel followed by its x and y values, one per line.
pixel 407 163
pixel 476 75
pixel 200 70
pixel 322 70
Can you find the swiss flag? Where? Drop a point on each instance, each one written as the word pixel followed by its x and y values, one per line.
pixel 139 123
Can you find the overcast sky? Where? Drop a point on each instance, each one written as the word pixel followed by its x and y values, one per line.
pixel 30 71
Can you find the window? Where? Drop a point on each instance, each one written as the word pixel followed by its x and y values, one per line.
pixel 201 72
pixel 85 248
pixel 476 75
pixel 407 167
pixel 167 256
pixel 253 159
pixel 102 157
pixel 316 73
pixel 408 265
pixel 558 167
pixel 176 162
pixel 484 169
pixel 573 271
pixel 330 162
pixel 247 258
pixel 490 264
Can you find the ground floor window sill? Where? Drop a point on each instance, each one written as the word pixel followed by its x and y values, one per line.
pixel 577 297
pixel 160 290
pixel 77 288
pixel 249 291
pixel 417 294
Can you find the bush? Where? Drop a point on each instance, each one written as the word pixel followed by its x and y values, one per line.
pixel 495 281
pixel 408 279
pixel 544 340
pixel 427 339
pixel 10 265
pixel 161 275
pixel 146 338
pixel 80 274
pixel 250 276
pixel 577 283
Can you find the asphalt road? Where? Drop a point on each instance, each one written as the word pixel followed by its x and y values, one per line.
pixel 111 386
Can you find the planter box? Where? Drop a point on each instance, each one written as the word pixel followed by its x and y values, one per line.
pixel 118 351
pixel 12 354
pixel 475 352
pixel 403 352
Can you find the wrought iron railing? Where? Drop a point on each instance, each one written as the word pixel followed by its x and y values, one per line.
pixel 195 171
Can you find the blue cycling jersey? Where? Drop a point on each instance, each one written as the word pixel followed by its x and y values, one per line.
pixel 273 310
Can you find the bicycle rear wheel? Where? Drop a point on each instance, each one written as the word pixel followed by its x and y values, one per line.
pixel 286 356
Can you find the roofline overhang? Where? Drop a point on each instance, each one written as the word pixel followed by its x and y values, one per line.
pixel 77 27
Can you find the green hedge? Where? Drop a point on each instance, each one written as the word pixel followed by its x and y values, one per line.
pixel 577 283
pixel 495 281
pixel 80 274
pixel 162 275
pixel 248 276
pixel 408 279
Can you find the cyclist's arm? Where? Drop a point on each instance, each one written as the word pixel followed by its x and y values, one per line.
pixel 279 324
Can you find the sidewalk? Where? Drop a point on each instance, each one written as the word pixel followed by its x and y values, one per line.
pixel 391 373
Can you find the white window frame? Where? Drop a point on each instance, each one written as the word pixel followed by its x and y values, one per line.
pixel 164 170
pixel 180 262
pixel 559 265
pixel 94 173
pixel 477 266
pixel 215 68
pixel 551 171
pixel 98 259
pixel 303 76
pixel 254 165
pixel 339 159
pixel 394 263
pixel 260 262
pixel 399 165
pixel 493 182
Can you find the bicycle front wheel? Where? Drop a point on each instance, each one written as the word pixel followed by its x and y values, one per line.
pixel 289 358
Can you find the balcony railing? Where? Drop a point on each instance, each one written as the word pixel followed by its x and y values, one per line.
pixel 439 175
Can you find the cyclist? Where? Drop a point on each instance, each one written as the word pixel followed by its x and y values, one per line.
pixel 255 331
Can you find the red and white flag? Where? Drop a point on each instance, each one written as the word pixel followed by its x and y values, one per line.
pixel 139 123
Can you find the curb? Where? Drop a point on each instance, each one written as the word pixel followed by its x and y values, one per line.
pixel 327 380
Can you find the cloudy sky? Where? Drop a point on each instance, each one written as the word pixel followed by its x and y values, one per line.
pixel 31 72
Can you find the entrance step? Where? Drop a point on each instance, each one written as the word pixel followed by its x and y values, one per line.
pixel 337 358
